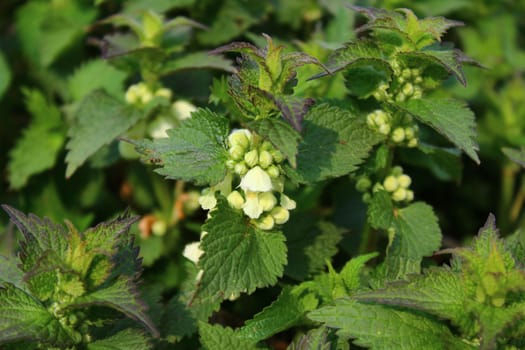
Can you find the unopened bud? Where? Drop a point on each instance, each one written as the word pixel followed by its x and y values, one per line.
pixel 412 143
pixel 273 171
pixel 409 133
pixel 266 146
pixel 408 89
pixel 240 138
pixel 207 199
pixel 146 97
pixel 410 195
pixel 265 159
pixel 384 129
pixel 159 228
pixel 267 201
pixel 251 158
pixel 236 152
pixel 240 168
pixel 404 180
pixel 280 215
pixel 235 199
pixel 399 195
pixel 230 164
pixel 363 184
pixel 131 95
pixel 164 92
pixel 183 109
pixel 390 183
pixel 266 223
pixel 398 135
pixel 277 155
pixel 400 97
pixel 192 251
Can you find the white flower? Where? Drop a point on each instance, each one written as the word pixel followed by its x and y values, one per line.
pixel 266 223
pixel 280 215
pixel 160 129
pixel 207 199
pixel 192 252
pixel 235 199
pixel 287 203
pixel 183 109
pixel 252 206
pixel 256 180
pixel 240 137
pixel 267 201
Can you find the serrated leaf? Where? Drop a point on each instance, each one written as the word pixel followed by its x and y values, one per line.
pixel 351 272
pixel 5 75
pixel 10 272
pixel 37 149
pixel 315 339
pixel 381 210
pixel 439 292
pixel 310 245
pixel 449 117
pixel 335 141
pixel 195 151
pixel 280 134
pixel 25 318
pixel 293 109
pixel 216 337
pixel 128 339
pixel 197 60
pixel 40 235
pixel 121 295
pixel 383 328
pixel 93 75
pixel 99 120
pixel 105 236
pixel 238 257
pixel 285 312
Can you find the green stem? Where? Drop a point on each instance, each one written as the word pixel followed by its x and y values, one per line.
pixel 368 238
pixel 508 183
pixel 517 205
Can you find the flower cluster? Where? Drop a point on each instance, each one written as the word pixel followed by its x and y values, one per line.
pixel 406 85
pixel 260 192
pixel 140 94
pixel 400 130
pixel 397 184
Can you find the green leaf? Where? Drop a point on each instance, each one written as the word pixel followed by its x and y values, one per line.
pixel 448 117
pixel 93 75
pixel 106 237
pixel 37 149
pixel 216 337
pixel 335 141
pixel 5 75
pixel 280 134
pixel 516 155
pixel 10 272
pixel 238 257
pixel 197 60
pixel 383 328
pixel 310 245
pixel 127 339
pixel 439 292
pixel 195 151
pixel 25 318
pixel 99 120
pixel 47 29
pixel 381 210
pixel 285 312
pixel 351 272
pixel 315 339
pixel 121 295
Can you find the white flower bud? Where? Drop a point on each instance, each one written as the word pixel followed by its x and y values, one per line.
pixel 207 199
pixel 399 195
pixel 240 137
pixel 390 183
pixel 278 184
pixel 418 80
pixel 280 215
pixel 266 223
pixel 192 252
pixel 410 195
pixel 412 143
pixel 377 187
pixel 398 135
pixel 236 152
pixel 252 207
pixel 384 129
pixel 183 109
pixel 230 164
pixel 418 92
pixel 235 199
pixel 265 159
pixel 273 171
pixel 256 180
pixel 266 146
pixel 277 156
pixel 363 184
pixel 370 120
pixel 159 228
pixel 267 201
pixel 160 127
pixel 251 158
pixel 406 73
pixel 408 89
pixel 400 97
pixel 404 180
pixel 409 133
pixel 132 96
pixel 163 92
pixel 397 170
pixel 287 203
pixel 240 168
pixel 146 97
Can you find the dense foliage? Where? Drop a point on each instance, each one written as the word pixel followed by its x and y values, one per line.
pixel 286 174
